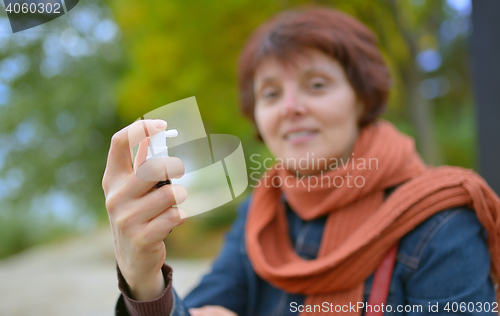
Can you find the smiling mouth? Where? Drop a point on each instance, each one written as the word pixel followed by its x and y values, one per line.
pixel 300 136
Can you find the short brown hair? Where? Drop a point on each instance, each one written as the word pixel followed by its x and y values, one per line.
pixel 334 33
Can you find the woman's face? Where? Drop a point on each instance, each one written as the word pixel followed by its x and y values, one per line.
pixel 307 113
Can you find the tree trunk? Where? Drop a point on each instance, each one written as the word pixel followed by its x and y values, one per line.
pixel 418 107
pixel 421 116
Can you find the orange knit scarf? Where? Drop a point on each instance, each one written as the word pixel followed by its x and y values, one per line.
pixel 360 226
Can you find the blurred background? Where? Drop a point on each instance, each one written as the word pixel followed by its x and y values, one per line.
pixel 68 85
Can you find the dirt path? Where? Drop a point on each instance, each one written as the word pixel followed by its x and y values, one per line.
pixel 74 278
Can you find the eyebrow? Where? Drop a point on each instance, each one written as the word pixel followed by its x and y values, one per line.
pixel 310 71
pixel 265 81
pixel 273 77
pixel 268 79
pixel 316 70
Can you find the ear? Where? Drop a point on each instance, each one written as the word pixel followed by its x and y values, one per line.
pixel 360 109
pixel 258 136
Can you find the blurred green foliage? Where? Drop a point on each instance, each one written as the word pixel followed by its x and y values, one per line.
pixel 63 109
pixel 183 48
pixel 55 124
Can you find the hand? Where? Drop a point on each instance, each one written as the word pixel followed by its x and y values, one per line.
pixel 140 218
pixel 211 310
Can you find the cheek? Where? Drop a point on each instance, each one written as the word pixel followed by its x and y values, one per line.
pixel 340 107
pixel 265 120
pixel 259 120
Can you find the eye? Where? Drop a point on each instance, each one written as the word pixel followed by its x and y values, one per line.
pixel 269 93
pixel 316 84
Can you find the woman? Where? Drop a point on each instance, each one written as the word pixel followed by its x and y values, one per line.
pixel 312 234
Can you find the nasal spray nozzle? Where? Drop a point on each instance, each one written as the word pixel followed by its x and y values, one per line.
pixel 159 149
pixel 158 143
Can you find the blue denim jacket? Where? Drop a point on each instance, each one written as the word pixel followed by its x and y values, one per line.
pixel 443 261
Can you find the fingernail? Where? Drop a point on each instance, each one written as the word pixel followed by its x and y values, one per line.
pixel 160 124
pixel 182 213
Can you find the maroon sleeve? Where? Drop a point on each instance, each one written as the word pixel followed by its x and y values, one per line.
pixel 158 307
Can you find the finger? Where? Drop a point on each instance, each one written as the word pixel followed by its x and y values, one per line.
pixel 160 226
pixel 161 169
pixel 141 129
pixel 219 310
pixel 157 201
pixel 142 153
pixel 179 223
pixel 184 217
pixel 211 310
pixel 123 141
pixel 199 312
pixel 196 312
pixel 149 174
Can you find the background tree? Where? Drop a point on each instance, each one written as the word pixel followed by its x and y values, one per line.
pixel 57 114
pixel 425 42
pixel 67 86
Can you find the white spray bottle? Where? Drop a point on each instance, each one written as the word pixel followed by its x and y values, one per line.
pixel 159 149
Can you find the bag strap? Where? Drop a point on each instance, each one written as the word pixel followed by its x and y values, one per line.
pixel 383 275
pixel 382 281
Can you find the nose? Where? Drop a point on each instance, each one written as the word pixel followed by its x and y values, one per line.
pixel 291 103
